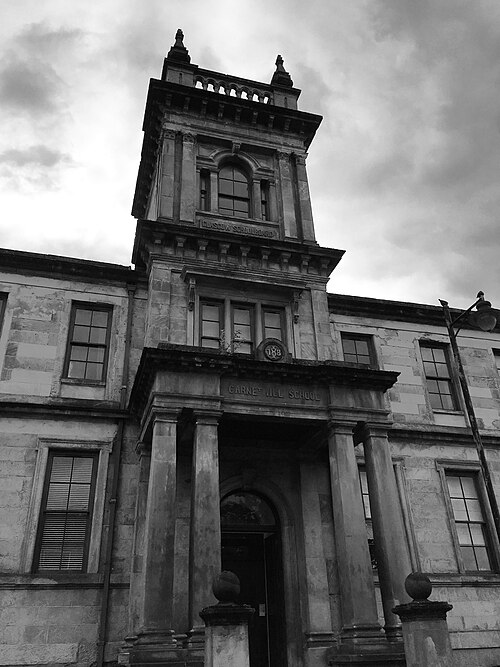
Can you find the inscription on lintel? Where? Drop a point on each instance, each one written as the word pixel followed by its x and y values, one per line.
pixel 276 393
pixel 238 228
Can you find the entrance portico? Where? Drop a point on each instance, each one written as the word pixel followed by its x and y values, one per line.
pixel 271 428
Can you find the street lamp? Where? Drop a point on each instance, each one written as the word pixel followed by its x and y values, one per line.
pixel 485 318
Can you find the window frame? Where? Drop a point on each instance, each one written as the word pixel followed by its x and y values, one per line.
pixel 359 337
pixel 451 379
pixel 220 305
pixel 204 190
pixel 103 450
pixel 44 512
pixel 104 307
pixel 282 315
pixel 469 469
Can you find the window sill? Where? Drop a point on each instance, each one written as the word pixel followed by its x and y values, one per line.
pixel 484 579
pixel 447 412
pixel 84 383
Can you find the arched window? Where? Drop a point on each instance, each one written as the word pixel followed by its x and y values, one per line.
pixel 248 511
pixel 234 194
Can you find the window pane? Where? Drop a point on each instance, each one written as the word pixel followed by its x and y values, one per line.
pixel 474 510
pixel 469 558
pixel 426 354
pixel 362 347
pixel 477 534
pixel 210 329
pixel 447 402
pixel 454 486
pixel 463 533
pixel 241 316
pixel 349 346
pixel 225 187
pixel 482 558
pixel 81 334
pixel 83 316
pixel 100 318
pixel 469 487
pixel 272 320
pixel 439 354
pixel 210 312
pixel 78 353
pixel 210 342
pixel 96 354
pixel 241 190
pixel 459 511
pixel 76 369
pixel 97 336
pixel 93 372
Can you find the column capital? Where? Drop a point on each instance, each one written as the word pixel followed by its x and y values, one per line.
pixel 207 416
pixel 366 430
pixel 341 427
pixel 165 415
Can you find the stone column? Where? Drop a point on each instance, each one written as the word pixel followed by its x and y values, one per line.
pixel 159 538
pixel 359 609
pixel 388 528
pixel 304 198
pixel 188 188
pixel 288 199
pixel 166 184
pixel 257 200
pixel 205 535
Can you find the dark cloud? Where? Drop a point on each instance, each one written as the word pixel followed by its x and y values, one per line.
pixel 29 86
pixel 34 156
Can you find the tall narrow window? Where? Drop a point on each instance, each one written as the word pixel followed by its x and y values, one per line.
pixel 88 347
pixel 368 516
pixel 358 349
pixel 438 377
pixel 264 199
pixel 210 324
pixel 469 520
pixel 66 512
pixel 272 320
pixel 243 337
pixel 234 196
pixel 204 190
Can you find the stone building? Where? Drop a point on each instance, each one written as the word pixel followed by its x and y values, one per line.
pixel 216 407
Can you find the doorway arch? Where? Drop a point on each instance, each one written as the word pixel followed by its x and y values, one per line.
pixel 252 548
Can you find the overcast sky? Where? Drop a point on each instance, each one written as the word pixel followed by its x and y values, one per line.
pixel 404 171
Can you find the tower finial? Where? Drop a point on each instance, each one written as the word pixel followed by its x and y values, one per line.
pixel 178 51
pixel 281 76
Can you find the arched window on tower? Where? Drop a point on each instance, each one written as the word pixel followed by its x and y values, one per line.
pixel 234 193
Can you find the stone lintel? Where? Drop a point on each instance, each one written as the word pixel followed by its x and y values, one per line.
pixel 227 613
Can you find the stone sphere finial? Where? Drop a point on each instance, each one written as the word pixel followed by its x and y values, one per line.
pixel 418 586
pixel 226 587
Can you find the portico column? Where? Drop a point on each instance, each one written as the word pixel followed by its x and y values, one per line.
pixel 359 609
pixel 388 529
pixel 159 533
pixel 205 549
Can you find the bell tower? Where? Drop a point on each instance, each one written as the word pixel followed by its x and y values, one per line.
pixel 223 204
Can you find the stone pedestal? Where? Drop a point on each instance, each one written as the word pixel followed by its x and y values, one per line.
pixel 425 631
pixel 226 643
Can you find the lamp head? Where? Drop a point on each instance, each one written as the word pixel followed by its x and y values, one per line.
pixel 485 317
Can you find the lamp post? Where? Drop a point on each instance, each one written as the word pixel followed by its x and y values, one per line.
pixel 485 318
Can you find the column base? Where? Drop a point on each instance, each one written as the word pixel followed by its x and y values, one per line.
pixel 154 647
pixel 369 652
pixel 196 638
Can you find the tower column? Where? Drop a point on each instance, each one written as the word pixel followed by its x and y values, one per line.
pixel 167 174
pixel 388 529
pixel 188 186
pixel 156 633
pixel 359 609
pixel 205 556
pixel 285 174
pixel 304 199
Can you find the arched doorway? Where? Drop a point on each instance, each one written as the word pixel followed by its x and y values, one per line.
pixel 251 548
